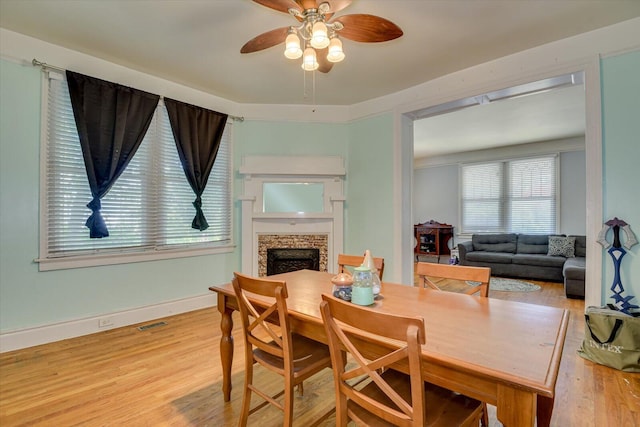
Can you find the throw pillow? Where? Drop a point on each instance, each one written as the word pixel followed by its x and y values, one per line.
pixel 562 246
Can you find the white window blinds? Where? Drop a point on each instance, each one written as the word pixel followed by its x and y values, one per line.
pixel 517 196
pixel 531 201
pixel 482 197
pixel 150 206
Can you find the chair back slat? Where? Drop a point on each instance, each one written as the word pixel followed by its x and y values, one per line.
pixel 427 270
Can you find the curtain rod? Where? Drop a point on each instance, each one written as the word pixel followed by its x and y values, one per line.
pixel 46 66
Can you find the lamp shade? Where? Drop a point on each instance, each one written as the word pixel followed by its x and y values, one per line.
pixel 309 61
pixel 319 36
pixel 336 53
pixel 292 47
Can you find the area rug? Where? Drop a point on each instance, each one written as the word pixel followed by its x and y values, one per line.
pixel 508 285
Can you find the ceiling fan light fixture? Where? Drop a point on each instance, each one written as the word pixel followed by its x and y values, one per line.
pixel 336 54
pixel 309 60
pixel 317 31
pixel 292 48
pixel 319 35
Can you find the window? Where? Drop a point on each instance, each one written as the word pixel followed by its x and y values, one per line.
pixel 149 209
pixel 516 196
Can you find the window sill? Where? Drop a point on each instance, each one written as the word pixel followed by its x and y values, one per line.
pixel 95 260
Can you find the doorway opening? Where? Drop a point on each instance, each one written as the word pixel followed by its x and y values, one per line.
pixel 558 97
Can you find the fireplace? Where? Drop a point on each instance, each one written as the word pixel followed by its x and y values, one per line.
pixel 286 245
pixel 316 226
pixel 283 260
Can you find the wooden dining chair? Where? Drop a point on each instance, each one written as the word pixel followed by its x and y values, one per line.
pixel 275 348
pixel 369 391
pixel 428 270
pixel 357 260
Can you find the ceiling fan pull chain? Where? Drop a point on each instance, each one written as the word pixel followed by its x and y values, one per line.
pixel 305 94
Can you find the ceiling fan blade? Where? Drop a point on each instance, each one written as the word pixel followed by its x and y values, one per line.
pixel 324 65
pixel 307 4
pixel 265 40
pixel 338 5
pixel 368 28
pixel 279 5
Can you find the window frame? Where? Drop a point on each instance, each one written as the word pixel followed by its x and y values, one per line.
pixel 115 256
pixel 505 199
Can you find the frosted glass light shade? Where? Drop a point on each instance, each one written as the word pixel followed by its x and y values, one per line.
pixel 292 47
pixel 335 51
pixel 309 61
pixel 319 36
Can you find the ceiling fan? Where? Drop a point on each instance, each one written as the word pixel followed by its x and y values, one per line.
pixel 319 34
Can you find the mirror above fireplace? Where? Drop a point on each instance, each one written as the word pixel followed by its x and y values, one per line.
pixel 299 197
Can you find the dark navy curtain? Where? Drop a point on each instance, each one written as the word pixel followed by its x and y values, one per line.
pixel 112 120
pixel 197 132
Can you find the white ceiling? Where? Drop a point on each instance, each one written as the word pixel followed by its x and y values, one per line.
pixel 555 114
pixel 197 42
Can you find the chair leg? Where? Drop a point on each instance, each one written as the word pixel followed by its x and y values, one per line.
pixel 301 389
pixel 484 421
pixel 288 402
pixel 342 418
pixel 246 395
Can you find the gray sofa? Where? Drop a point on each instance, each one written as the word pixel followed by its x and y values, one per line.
pixel 525 256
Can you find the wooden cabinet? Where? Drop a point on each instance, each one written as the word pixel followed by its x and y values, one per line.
pixel 432 238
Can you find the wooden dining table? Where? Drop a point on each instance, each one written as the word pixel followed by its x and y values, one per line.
pixel 504 353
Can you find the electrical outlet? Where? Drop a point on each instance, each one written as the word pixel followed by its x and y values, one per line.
pixel 105 322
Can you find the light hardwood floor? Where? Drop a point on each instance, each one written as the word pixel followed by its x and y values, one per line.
pixel 170 376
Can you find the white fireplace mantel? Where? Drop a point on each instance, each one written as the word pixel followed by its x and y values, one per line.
pixel 258 170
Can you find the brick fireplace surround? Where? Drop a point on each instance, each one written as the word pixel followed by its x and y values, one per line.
pixel 294 241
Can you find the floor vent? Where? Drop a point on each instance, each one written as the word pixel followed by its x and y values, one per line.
pixel 152 325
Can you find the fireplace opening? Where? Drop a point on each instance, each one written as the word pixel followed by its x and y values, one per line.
pixel 284 260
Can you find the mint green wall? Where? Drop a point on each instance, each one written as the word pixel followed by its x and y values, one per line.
pixel 260 138
pixel 366 145
pixel 621 156
pixel 369 207
pixel 30 298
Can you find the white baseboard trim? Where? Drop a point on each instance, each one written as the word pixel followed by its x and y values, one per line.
pixel 19 339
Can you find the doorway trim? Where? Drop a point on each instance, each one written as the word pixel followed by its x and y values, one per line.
pixel 593 154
